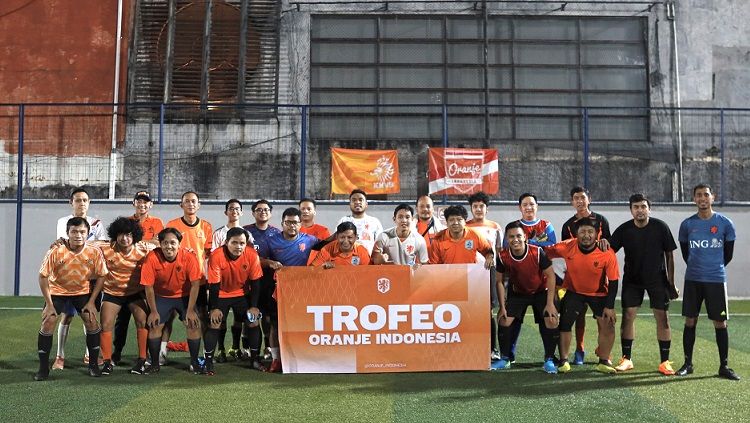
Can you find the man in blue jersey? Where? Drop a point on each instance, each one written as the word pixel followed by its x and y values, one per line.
pixel 261 230
pixel 707 244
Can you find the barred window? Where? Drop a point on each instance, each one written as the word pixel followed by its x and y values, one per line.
pixel 563 63
pixel 205 52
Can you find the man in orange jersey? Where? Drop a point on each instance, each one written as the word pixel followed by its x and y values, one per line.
pixel 124 256
pixel 427 223
pixel 459 244
pixel 492 231
pixel 344 251
pixel 64 281
pixel 151 226
pixel 171 276
pixel 196 235
pixel 230 269
pixel 591 280
pixel 307 210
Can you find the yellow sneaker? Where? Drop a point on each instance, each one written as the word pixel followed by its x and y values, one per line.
pixel 624 365
pixel 605 368
pixel 666 369
pixel 564 368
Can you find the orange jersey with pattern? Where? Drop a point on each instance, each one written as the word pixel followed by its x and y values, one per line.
pixel 124 276
pixel 231 275
pixel 446 250
pixel 588 273
pixel 316 230
pixel 69 273
pixel 197 237
pixel 170 279
pixel 331 252
pixel 151 226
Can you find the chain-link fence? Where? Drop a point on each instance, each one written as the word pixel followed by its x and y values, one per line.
pixel 284 152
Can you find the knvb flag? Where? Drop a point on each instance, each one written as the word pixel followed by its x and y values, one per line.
pixel 374 171
pixel 461 171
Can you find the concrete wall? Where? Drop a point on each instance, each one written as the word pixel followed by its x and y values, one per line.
pixel 39 222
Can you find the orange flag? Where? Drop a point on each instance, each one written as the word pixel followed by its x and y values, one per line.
pixel 374 171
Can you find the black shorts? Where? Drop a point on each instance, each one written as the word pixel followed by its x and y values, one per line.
pixel 516 305
pixel 65 303
pixel 266 303
pixel 165 307
pixel 239 306
pixel 124 301
pixel 202 299
pixel 573 304
pixel 658 295
pixel 715 295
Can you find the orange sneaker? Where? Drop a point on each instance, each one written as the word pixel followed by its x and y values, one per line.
pixel 666 369
pixel 625 365
pixel 177 346
pixel 59 363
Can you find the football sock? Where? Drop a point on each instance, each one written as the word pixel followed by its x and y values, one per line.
pixel 142 335
pixel 120 334
pixel 222 337
pixel 210 339
pixel 664 350
pixel 627 348
pixel 493 333
pixel 275 353
pixel 688 341
pixel 236 335
pixel 504 333
pixel 194 345
pixel 153 350
pixel 44 345
pixel 722 341
pixel 515 333
pixel 106 344
pixel 253 340
pixel 92 343
pixel 580 332
pixel 62 336
pixel 550 338
pixel 246 343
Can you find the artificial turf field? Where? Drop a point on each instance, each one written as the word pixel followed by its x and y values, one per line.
pixel 523 394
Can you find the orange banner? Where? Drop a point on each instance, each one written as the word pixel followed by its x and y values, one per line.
pixel 374 171
pixel 462 171
pixel 374 319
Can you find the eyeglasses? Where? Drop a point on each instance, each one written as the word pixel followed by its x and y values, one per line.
pixel 291 223
pixel 234 209
pixel 262 211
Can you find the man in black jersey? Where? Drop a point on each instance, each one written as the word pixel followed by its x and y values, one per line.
pixel 649 267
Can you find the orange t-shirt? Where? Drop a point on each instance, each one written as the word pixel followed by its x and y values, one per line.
pixel 232 274
pixel 69 273
pixel 124 276
pixel 170 279
pixel 197 237
pixel 151 226
pixel 316 230
pixel 446 250
pixel 587 274
pixel 331 252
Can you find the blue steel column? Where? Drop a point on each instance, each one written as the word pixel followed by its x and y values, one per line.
pixel 723 168
pixel 303 154
pixel 19 203
pixel 586 148
pixel 159 176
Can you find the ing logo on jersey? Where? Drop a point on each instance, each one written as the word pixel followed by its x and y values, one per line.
pixel 469 244
pixel 355 260
pixel 714 229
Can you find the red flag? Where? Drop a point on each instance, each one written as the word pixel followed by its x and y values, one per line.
pixel 461 171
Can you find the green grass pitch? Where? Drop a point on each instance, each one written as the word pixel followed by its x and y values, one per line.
pixel 523 393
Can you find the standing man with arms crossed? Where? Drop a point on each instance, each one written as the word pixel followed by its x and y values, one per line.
pixel 368 227
pixel 707 244
pixel 591 279
pixel 479 202
pixel 649 267
pixel 580 199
